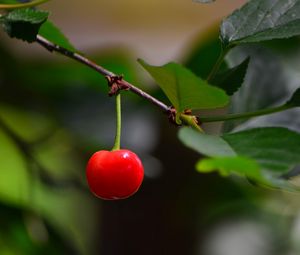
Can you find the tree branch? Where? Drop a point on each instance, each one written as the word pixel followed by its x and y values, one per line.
pixel 123 84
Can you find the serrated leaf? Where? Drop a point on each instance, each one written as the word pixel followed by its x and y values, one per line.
pixel 262 20
pixel 263 154
pixel 232 79
pixel 275 149
pixel 265 85
pixel 208 145
pixel 184 89
pixel 53 34
pixel 24 23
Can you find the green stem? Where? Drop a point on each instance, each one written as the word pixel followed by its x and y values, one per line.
pixel 22 5
pixel 218 64
pixel 243 115
pixel 118 128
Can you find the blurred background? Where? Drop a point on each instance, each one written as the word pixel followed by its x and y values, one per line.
pixel 54 113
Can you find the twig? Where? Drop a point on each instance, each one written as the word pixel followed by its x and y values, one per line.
pixel 116 82
pixel 121 82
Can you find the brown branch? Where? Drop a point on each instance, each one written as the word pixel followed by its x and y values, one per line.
pixel 122 84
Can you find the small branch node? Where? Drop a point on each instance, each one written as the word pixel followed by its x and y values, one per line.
pixel 171 113
pixel 116 84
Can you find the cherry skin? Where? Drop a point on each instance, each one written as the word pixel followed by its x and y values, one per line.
pixel 115 174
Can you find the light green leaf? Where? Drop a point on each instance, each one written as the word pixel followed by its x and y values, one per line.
pixel 184 89
pixel 262 20
pixel 15 178
pixel 263 154
pixel 275 149
pixel 208 145
pixel 24 23
pixel 60 207
pixel 53 34
pixel 227 165
pixel 244 167
pixel 28 125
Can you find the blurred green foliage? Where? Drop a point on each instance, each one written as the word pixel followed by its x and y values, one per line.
pixel 55 113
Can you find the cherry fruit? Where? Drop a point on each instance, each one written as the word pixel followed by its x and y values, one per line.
pixel 114 174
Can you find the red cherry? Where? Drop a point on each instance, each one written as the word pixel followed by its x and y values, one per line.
pixel 114 174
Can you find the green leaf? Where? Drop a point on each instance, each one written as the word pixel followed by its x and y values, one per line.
pixel 8 1
pixel 53 34
pixel 231 165
pixel 263 155
pixel 275 149
pixel 266 84
pixel 184 89
pixel 208 145
pixel 15 178
pixel 204 56
pixel 24 23
pixel 28 125
pixel 60 207
pixel 232 79
pixel 295 99
pixel 243 167
pixel 262 20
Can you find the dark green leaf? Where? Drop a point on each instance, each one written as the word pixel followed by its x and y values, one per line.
pixel 24 23
pixel 232 79
pixel 53 34
pixel 266 83
pixel 275 149
pixel 262 20
pixel 208 145
pixel 184 89
pixel 295 99
pixel 263 155
pixel 202 59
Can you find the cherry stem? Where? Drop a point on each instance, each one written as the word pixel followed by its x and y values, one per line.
pixel 22 5
pixel 118 123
